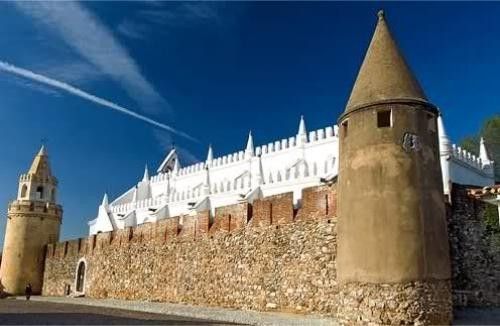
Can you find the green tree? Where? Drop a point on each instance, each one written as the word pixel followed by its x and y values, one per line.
pixel 490 131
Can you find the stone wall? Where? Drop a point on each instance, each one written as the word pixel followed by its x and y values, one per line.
pixel 475 252
pixel 419 303
pixel 271 256
pixel 265 256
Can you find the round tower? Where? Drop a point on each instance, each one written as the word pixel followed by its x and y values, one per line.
pixel 393 260
pixel 33 220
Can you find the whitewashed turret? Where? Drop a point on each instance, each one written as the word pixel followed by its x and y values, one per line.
pixel 445 151
pixel 103 222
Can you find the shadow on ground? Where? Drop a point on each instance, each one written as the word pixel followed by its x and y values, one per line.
pixel 16 312
pixel 88 319
pixel 476 316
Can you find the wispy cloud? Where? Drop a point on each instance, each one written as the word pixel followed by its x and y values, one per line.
pixel 30 75
pixel 84 32
pixel 19 81
pixel 170 14
pixel 132 30
pixel 182 13
pixel 75 72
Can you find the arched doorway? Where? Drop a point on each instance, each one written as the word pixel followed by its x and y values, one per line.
pixel 81 269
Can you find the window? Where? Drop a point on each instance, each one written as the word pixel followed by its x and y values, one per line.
pixel 24 189
pixel 431 123
pixel 384 119
pixel 53 195
pixel 345 125
pixel 39 192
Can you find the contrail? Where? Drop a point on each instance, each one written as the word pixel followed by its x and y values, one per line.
pixel 7 67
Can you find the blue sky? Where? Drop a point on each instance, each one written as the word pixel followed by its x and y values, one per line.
pixel 213 70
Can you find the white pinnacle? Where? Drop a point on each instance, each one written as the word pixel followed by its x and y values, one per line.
pixel 249 151
pixel 483 153
pixel 302 126
pixel 146 174
pixel 210 155
pixel 105 200
pixel 444 141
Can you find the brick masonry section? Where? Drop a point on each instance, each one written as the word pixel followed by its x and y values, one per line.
pixel 268 256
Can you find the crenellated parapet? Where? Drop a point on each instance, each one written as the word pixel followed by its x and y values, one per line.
pixel 471 160
pixel 35 208
pixel 318 203
pixel 461 166
pixel 29 177
pixel 275 147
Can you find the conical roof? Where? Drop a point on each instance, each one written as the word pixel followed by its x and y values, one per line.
pixel 384 74
pixel 40 165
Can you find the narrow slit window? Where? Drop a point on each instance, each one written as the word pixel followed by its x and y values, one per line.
pixel 384 119
pixel 345 125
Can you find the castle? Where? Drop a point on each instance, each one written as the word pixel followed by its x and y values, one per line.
pixel 369 221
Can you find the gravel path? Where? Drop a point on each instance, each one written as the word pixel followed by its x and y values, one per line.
pixel 221 315
pixel 66 311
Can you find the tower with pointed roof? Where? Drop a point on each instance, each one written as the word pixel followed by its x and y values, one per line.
pixel 33 221
pixel 392 233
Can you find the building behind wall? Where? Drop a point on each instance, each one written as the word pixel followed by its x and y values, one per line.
pixel 287 165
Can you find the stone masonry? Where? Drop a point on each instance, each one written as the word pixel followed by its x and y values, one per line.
pixel 265 256
pixel 268 256
pixel 475 252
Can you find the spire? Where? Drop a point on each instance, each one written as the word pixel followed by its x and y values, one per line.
pixel 210 155
pixel 302 133
pixel 40 165
pixel 42 151
pixel 249 151
pixel 302 126
pixel 105 200
pixel 384 74
pixel 483 153
pixel 444 141
pixel 146 174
